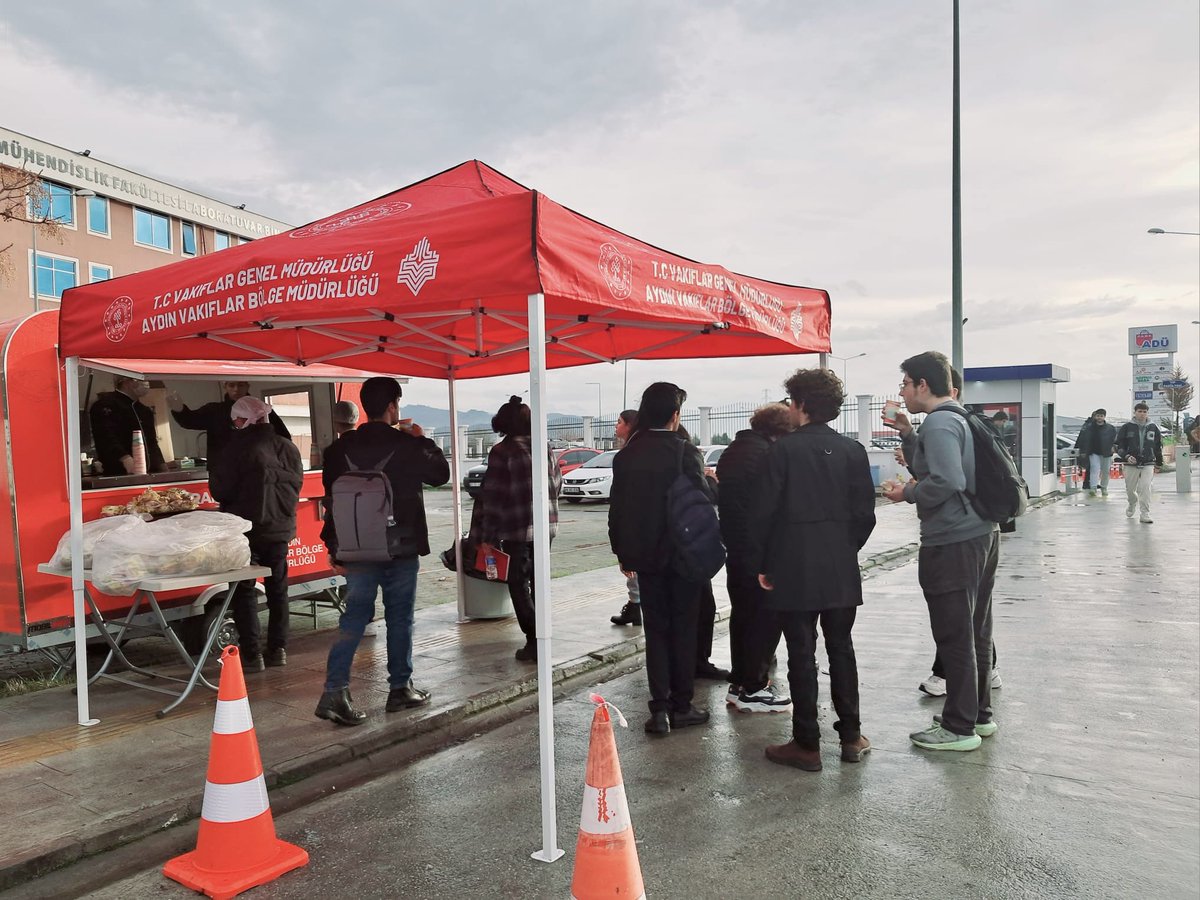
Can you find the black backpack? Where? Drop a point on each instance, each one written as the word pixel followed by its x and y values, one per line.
pixel 1001 494
pixel 694 528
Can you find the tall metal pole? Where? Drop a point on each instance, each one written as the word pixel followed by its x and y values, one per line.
pixel 956 307
pixel 33 268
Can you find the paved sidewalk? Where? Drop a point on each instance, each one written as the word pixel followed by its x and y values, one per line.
pixel 1067 576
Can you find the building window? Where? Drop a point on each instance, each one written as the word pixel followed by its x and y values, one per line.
pixel 56 203
pixel 54 275
pixel 151 229
pixel 99 272
pixel 221 241
pixel 187 238
pixel 97 215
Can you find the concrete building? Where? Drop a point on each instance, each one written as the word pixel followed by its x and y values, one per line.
pixel 109 222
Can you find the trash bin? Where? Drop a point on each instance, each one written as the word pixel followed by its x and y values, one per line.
pixel 483 599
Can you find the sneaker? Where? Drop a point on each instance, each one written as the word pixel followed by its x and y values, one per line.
pixel 983 729
pixel 276 657
pixel 732 694
pixel 1091 492
pixel 1146 520
pixel 997 681
pixel 631 614
pixel 1129 511
pixel 764 700
pixel 934 686
pixel 253 663
pixel 935 737
pixel 1104 491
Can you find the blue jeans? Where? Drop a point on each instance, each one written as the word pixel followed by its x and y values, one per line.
pixel 398 579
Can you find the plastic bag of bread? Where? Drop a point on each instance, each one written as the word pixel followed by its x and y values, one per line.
pixel 92 533
pixel 191 543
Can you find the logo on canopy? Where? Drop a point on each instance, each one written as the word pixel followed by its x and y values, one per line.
pixel 418 267
pixel 617 270
pixel 117 319
pixel 797 322
pixel 353 217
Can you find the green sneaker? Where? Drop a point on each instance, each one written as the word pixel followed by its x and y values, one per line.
pixel 983 729
pixel 935 737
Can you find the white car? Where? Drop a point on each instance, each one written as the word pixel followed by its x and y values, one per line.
pixel 591 481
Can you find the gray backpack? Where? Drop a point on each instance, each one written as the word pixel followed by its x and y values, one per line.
pixel 362 513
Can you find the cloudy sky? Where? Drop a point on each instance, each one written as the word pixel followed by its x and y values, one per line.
pixel 800 142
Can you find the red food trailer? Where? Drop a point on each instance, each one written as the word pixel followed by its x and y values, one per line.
pixel 35 608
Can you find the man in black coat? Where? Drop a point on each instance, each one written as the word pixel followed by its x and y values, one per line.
pixel 753 632
pixel 114 417
pixel 259 479
pixel 815 511
pixel 1094 448
pixel 411 461
pixel 641 540
pixel 215 421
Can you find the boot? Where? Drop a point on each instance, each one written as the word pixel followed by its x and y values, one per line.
pixel 336 706
pixel 792 754
pixel 631 614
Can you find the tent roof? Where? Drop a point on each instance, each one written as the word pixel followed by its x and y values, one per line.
pixel 433 280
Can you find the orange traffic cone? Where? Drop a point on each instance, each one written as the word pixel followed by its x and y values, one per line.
pixel 606 859
pixel 237 848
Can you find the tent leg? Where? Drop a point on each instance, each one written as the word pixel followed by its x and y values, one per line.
pixel 541 573
pixel 456 500
pixel 75 497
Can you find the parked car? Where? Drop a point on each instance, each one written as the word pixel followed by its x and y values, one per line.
pixel 568 459
pixel 573 458
pixel 711 453
pixel 590 481
pixel 1064 449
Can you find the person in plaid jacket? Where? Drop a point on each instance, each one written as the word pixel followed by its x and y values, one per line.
pixel 505 519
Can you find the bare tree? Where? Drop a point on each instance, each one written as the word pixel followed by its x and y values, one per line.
pixel 21 194
pixel 1180 398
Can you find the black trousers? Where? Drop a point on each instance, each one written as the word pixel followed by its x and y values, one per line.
pixel 273 555
pixel 670 606
pixel 754 632
pixel 706 620
pixel 800 632
pixel 520 585
pixel 958 593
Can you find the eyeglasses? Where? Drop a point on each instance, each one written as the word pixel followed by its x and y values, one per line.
pixel 906 383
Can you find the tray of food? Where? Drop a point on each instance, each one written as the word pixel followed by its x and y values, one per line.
pixel 155 504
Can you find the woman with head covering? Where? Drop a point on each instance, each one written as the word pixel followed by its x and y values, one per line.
pixel 259 478
pixel 505 519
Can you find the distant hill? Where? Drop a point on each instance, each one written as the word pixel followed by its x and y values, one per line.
pixel 431 418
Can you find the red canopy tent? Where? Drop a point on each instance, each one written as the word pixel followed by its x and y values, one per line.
pixel 466 274
pixel 433 280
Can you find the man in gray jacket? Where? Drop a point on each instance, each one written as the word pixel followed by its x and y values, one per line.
pixel 957 548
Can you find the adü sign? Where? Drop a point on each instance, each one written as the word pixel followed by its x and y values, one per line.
pixel 1153 339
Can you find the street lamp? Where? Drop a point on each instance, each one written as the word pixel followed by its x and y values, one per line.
pixel 1162 231
pixel 33 224
pixel 844 360
pixel 599 402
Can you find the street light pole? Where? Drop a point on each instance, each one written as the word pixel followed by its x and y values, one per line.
pixel 845 359
pixel 1163 231
pixel 599 401
pixel 956 311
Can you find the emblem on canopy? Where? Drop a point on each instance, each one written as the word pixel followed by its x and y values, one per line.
pixel 117 319
pixel 418 267
pixel 617 270
pixel 797 322
pixel 353 217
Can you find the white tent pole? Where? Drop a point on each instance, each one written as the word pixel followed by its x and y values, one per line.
pixel 541 573
pixel 75 500
pixel 456 498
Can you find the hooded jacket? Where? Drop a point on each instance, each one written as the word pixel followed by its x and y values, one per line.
pixel 259 478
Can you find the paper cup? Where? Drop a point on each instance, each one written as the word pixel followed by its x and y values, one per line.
pixel 890 408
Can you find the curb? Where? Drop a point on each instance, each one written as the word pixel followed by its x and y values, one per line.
pixel 350 762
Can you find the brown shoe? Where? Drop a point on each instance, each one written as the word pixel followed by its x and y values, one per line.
pixel 792 754
pixel 854 750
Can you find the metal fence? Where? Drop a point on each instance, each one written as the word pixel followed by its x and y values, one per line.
pixel 723 422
